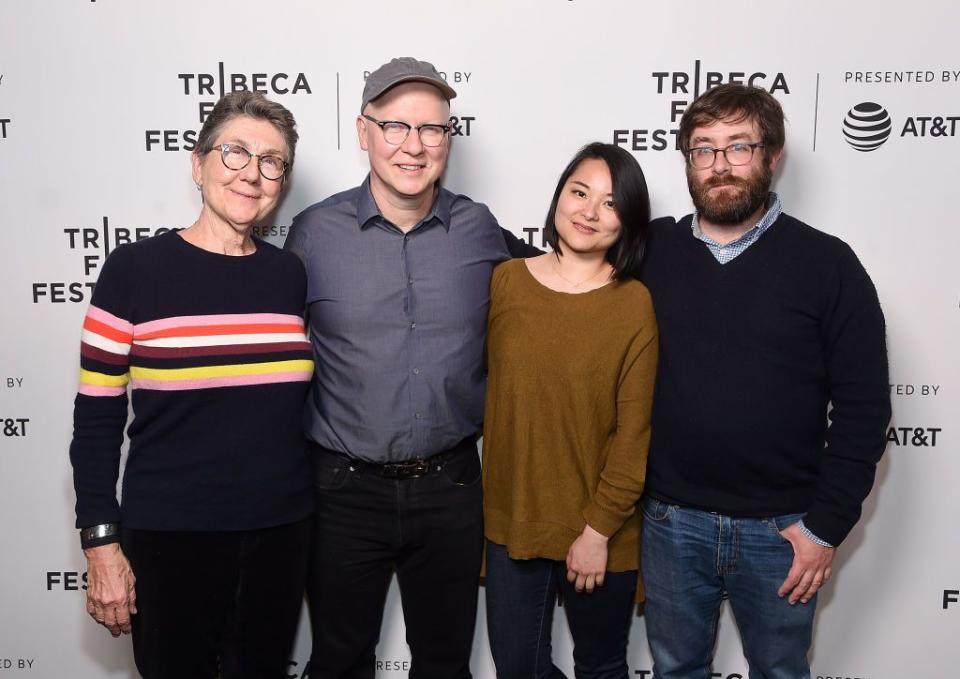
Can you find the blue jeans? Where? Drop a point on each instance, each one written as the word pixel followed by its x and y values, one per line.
pixel 690 561
pixel 521 596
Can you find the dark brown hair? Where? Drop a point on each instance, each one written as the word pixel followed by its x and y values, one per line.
pixel 733 103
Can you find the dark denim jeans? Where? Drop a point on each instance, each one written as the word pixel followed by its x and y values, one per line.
pixel 521 596
pixel 690 561
pixel 429 531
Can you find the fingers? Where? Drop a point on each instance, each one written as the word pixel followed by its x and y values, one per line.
pixel 584 582
pixel 801 585
pixel 791 581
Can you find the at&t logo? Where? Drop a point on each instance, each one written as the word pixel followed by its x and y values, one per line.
pixel 867 126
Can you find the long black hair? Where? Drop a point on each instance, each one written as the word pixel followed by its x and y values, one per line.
pixel 631 201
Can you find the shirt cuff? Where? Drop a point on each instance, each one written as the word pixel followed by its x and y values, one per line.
pixel 810 535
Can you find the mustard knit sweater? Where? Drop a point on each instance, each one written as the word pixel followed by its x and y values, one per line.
pixel 567 420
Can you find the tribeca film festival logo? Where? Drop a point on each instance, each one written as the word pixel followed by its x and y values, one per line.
pixel 93 244
pixel 684 87
pixel 460 125
pixel 212 86
pixel 868 125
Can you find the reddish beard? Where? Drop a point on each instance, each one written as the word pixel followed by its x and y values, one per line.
pixel 743 197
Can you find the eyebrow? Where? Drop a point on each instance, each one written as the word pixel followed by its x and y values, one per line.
pixel 585 185
pixel 732 139
pixel 241 142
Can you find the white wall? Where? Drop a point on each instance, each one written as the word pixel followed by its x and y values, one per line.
pixel 81 83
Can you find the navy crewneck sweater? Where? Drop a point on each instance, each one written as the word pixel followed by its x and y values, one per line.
pixel 752 355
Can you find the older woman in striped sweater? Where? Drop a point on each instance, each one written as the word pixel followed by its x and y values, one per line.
pixel 204 557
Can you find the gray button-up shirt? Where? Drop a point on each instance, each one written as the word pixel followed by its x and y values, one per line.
pixel 398 323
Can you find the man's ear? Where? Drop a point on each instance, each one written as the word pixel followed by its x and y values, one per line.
pixel 362 132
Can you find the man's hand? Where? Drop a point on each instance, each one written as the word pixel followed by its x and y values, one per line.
pixel 111 597
pixel 587 560
pixel 810 569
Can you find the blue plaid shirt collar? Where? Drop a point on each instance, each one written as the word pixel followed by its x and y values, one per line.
pixel 725 253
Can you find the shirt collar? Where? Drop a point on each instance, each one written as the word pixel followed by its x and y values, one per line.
pixel 774 208
pixel 367 210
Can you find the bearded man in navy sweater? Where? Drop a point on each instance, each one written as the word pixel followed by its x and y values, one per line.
pixel 771 402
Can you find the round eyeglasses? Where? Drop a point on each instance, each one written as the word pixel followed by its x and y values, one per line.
pixel 395 132
pixel 235 157
pixel 740 153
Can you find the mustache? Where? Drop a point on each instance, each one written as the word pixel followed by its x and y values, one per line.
pixel 714 181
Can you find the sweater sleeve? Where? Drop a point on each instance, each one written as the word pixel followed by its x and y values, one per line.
pixel 625 463
pixel 854 338
pixel 100 407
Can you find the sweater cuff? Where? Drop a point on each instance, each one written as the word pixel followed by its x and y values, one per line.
pixel 601 521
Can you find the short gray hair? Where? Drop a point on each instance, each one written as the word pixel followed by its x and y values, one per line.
pixel 251 104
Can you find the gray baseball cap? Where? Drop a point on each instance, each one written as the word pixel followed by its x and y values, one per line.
pixel 403 70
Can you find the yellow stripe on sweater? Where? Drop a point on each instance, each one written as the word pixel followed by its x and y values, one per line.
pixel 205 372
pixel 103 380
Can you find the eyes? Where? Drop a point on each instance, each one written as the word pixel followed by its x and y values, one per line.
pixel 582 195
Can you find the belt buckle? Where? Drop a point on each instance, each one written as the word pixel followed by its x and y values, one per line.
pixel 406 470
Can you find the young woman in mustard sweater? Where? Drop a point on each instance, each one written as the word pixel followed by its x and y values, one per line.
pixel 572 344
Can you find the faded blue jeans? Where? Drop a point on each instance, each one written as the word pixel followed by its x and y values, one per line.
pixel 690 561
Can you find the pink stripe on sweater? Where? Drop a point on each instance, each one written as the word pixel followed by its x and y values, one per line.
pixel 215 319
pixel 95 390
pixel 227 381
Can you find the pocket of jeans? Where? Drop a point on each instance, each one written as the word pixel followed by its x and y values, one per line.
pixel 463 470
pixel 331 474
pixel 779 523
pixel 654 509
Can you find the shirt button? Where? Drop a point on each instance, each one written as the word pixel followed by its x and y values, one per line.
pixel 410 280
pixel 418 416
pixel 413 326
pixel 416 371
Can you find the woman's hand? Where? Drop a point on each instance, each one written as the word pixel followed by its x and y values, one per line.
pixel 587 560
pixel 111 598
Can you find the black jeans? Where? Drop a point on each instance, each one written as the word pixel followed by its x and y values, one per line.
pixel 521 598
pixel 217 604
pixel 429 530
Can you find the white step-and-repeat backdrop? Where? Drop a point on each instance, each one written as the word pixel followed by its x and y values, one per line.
pixel 100 101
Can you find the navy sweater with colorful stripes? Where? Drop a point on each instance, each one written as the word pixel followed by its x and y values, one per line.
pixel 213 352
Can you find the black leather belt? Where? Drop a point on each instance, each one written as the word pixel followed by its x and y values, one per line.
pixel 409 469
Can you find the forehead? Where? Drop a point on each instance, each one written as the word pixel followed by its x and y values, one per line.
pixel 721 132
pixel 593 172
pixel 415 101
pixel 254 133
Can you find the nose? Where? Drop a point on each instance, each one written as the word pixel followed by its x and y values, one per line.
pixel 720 164
pixel 412 144
pixel 591 210
pixel 251 173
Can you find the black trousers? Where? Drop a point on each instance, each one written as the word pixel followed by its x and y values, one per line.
pixel 217 604
pixel 428 530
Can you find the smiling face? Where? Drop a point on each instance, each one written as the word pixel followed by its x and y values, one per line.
pixel 728 195
pixel 240 198
pixel 405 173
pixel 586 218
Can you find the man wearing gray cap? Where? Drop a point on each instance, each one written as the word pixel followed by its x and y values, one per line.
pixel 399 270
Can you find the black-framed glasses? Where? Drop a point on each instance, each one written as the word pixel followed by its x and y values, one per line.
pixel 740 153
pixel 395 131
pixel 235 157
